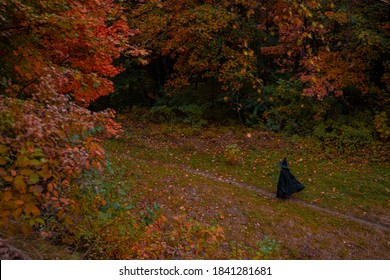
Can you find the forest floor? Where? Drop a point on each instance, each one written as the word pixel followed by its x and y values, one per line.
pixel 228 176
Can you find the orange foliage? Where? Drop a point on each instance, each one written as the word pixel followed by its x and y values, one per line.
pixel 324 60
pixel 53 54
pixel 74 42
pixel 205 39
pixel 331 72
pixel 183 238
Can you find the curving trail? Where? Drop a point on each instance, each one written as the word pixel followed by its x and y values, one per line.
pixel 271 195
pixel 262 192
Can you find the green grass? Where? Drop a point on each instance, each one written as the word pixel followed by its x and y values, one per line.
pixel 154 157
pixel 358 188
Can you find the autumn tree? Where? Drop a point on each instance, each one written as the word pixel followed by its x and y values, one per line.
pixel 74 42
pixel 330 46
pixel 236 49
pixel 198 41
pixel 55 57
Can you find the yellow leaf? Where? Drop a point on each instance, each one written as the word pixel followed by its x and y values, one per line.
pixel 19 202
pixel 17 212
pixel 44 173
pixel 8 179
pixel 20 185
pixel 26 171
pixel 3 149
pixel 7 196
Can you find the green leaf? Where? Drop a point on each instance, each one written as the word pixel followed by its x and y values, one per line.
pixel 38 153
pixel 40 221
pixel 33 178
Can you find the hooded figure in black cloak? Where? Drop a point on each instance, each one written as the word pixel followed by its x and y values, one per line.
pixel 287 184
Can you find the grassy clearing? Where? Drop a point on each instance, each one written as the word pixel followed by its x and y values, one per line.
pixel 152 157
pixel 343 184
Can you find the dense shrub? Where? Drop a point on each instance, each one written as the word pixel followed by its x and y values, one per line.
pixel 46 142
pixel 181 238
pixel 381 126
pixel 343 137
pixel 285 109
pixel 55 58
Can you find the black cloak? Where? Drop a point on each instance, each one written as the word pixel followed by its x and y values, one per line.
pixel 287 184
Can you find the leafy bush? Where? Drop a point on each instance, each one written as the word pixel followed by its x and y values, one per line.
pixel 161 114
pixel 189 114
pixel 181 238
pixel 381 126
pixel 286 110
pixel 339 124
pixel 343 137
pixel 102 225
pixel 192 114
pixel 44 146
pixel 107 223
pixel 47 137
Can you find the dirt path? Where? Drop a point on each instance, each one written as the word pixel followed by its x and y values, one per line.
pixel 271 195
pixel 262 192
